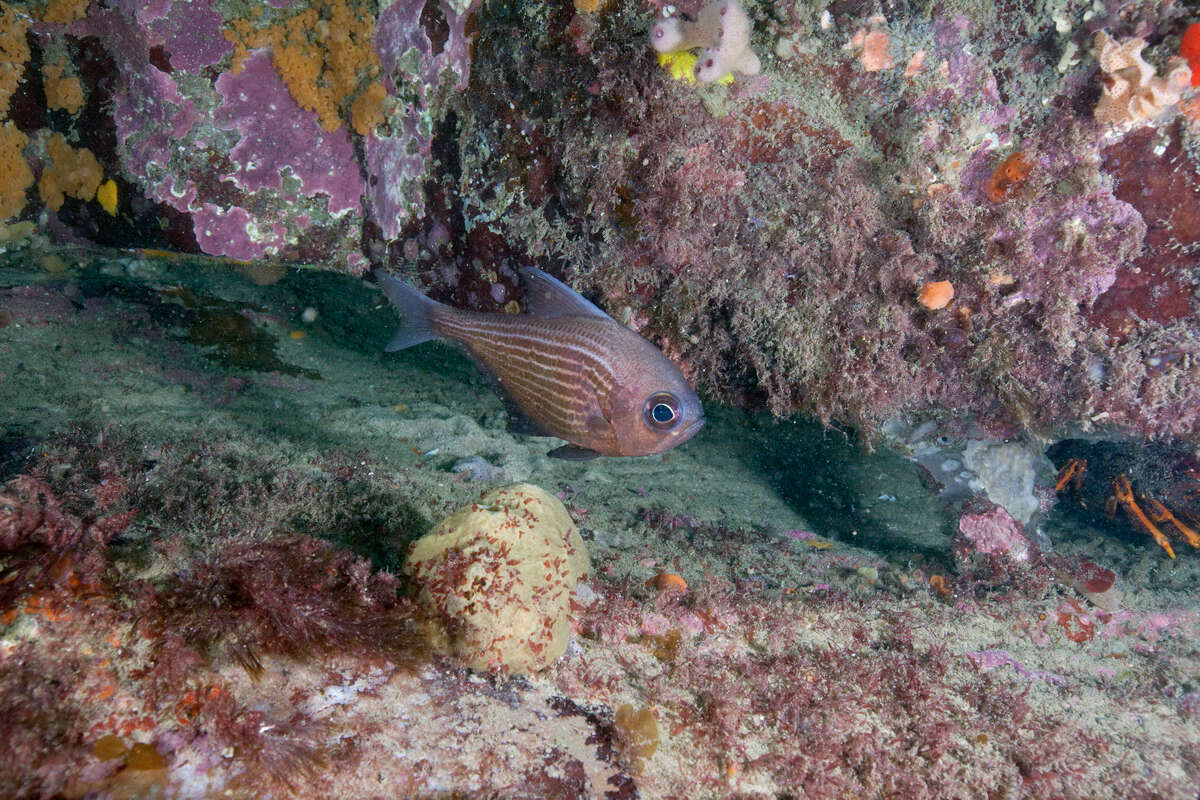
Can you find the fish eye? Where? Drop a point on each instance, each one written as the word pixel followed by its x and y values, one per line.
pixel 661 411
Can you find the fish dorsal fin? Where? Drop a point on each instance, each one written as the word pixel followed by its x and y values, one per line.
pixel 547 297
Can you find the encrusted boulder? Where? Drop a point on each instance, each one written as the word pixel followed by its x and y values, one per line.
pixel 494 580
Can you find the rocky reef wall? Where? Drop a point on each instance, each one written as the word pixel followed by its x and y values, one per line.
pixel 781 235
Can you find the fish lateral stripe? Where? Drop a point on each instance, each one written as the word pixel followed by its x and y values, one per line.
pixel 568 355
pixel 555 380
pixel 560 398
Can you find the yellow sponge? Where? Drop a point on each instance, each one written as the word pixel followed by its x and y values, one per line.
pixel 494 580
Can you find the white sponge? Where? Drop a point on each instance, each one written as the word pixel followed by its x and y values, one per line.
pixel 722 29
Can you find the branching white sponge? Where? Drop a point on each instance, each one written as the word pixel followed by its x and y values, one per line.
pixel 1132 93
pixel 723 31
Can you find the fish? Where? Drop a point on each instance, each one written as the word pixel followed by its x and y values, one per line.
pixel 564 368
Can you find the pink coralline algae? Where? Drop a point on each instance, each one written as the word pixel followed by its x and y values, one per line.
pixel 277 137
pixel 985 660
pixel 400 159
pixel 191 35
pixel 150 114
pixel 234 233
pixel 995 533
pixel 181 109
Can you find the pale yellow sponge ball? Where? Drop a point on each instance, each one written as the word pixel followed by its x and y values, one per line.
pixel 494 580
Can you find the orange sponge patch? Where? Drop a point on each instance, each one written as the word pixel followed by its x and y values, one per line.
pixel 68 172
pixel 367 110
pixel 1009 175
pixel 15 175
pixel 62 91
pixel 14 52
pixel 325 57
pixel 63 11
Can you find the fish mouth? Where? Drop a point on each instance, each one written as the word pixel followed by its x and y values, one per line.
pixel 692 429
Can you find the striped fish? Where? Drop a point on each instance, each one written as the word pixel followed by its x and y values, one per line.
pixel 565 368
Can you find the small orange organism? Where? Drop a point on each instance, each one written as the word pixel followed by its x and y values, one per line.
pixel 1189 48
pixel 667 582
pixel 1076 624
pixel 1071 473
pixel 1156 514
pixel 936 294
pixel 1011 173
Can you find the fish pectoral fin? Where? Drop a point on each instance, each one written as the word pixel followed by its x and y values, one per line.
pixel 519 424
pixel 573 452
pixel 598 426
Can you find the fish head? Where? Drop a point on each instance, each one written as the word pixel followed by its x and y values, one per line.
pixel 656 412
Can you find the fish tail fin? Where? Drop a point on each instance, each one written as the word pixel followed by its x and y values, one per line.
pixel 416 312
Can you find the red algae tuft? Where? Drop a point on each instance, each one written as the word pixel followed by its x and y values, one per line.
pixel 292 596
